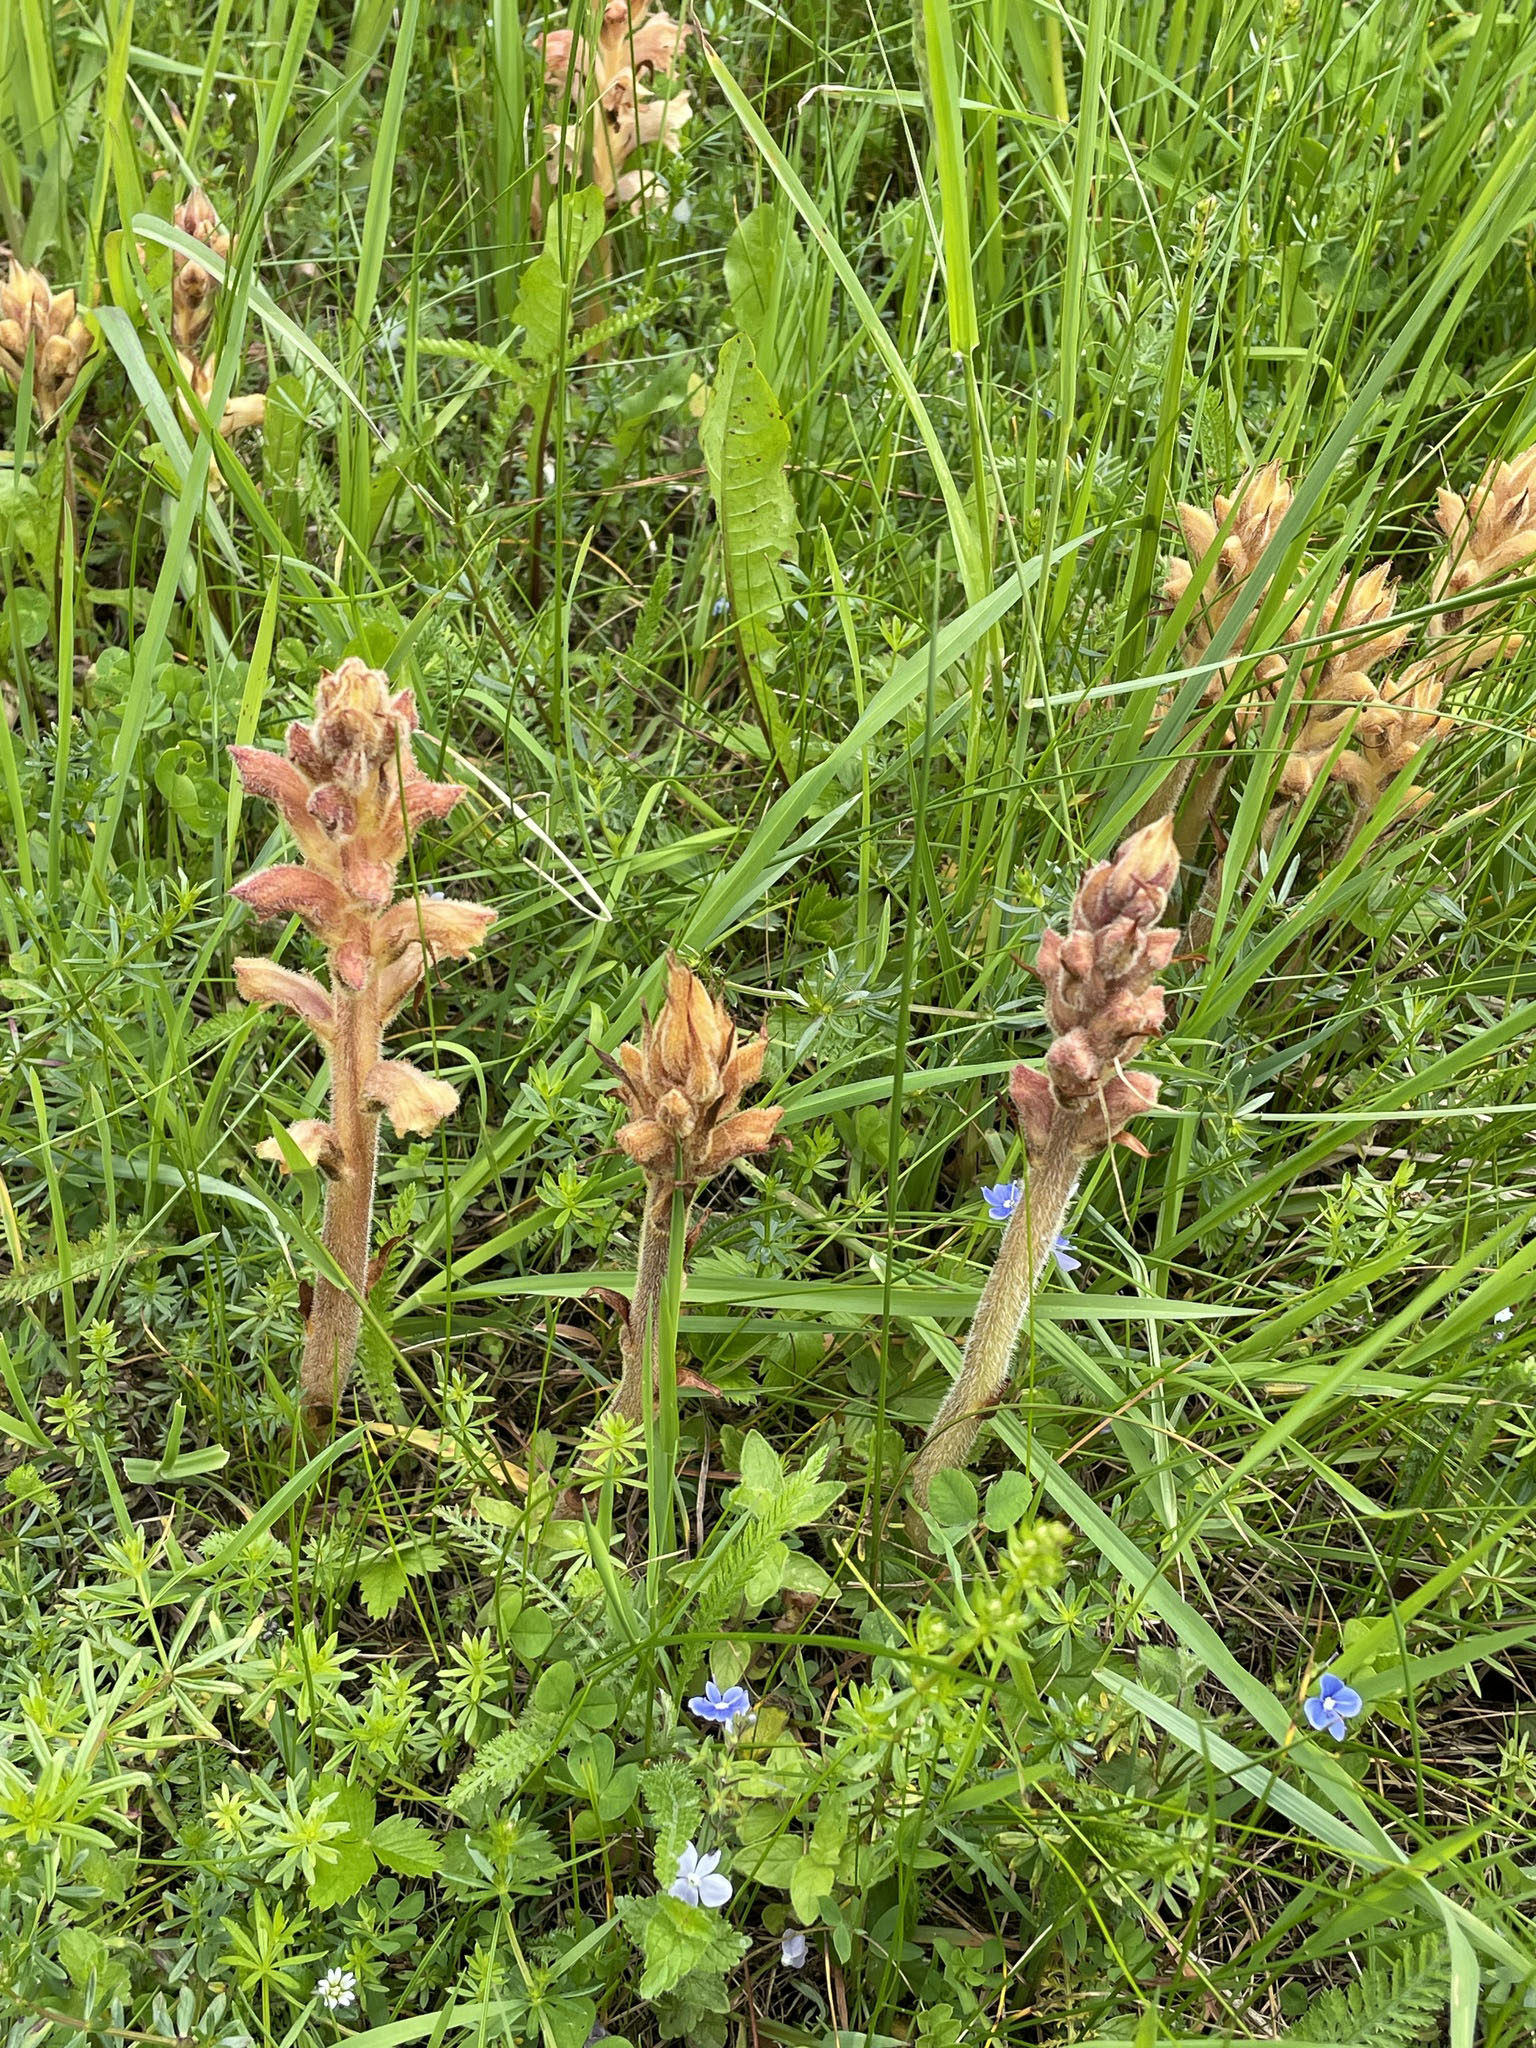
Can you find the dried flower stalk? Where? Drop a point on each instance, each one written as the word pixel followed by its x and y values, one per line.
pixel 682 1086
pixel 1103 1004
pixel 29 310
pixel 609 83
pixel 350 792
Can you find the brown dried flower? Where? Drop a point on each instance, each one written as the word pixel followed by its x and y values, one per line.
pixel 609 82
pixel 29 310
pixel 683 1083
pixel 1262 501
pixel 1341 694
pixel 238 414
pixel 1488 537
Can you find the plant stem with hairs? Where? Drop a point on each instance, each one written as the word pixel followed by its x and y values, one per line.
pixel 351 794
pixel 682 1085
pixel 1050 1182
pixel 1103 1006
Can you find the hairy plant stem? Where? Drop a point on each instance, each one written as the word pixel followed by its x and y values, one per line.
pixel 336 1314
pixel 1200 804
pixel 1166 796
pixel 1050 1183
pixel 637 1340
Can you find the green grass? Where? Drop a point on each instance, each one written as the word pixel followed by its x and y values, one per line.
pixel 1020 280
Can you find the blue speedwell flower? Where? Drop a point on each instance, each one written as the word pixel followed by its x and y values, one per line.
pixel 1333 1704
pixel 1002 1200
pixel 1061 1252
pixel 697 1882
pixel 720 1707
pixel 792 1949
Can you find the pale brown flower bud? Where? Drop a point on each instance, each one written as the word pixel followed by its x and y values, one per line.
pixel 263 981
pixel 1490 536
pixel 315 1140
pixel 683 1084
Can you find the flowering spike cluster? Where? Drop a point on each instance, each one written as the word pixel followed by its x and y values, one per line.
pixel 1262 501
pixel 1341 693
pixel 1101 1000
pixel 30 311
pixel 350 792
pixel 608 83
pixel 193 286
pixel 1103 1005
pixel 194 289
pixel 682 1085
pixel 1488 538
pixel 1361 730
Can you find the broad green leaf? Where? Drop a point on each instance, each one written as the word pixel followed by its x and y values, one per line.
pixel 352 1864
pixel 745 441
pixel 383 1575
pixel 543 308
pixel 952 1501
pixel 676 1941
pixel 405 1846
pixel 1008 1501
pixel 765 267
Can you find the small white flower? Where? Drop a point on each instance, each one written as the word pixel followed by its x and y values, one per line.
pixel 1502 1315
pixel 792 1949
pixel 696 1883
pixel 337 1990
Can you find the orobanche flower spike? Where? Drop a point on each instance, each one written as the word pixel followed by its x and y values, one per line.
pixel 194 291
pixel 350 792
pixel 682 1085
pixel 30 311
pixel 1102 1003
pixel 608 83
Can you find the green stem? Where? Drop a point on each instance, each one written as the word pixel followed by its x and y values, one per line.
pixel 994 1335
